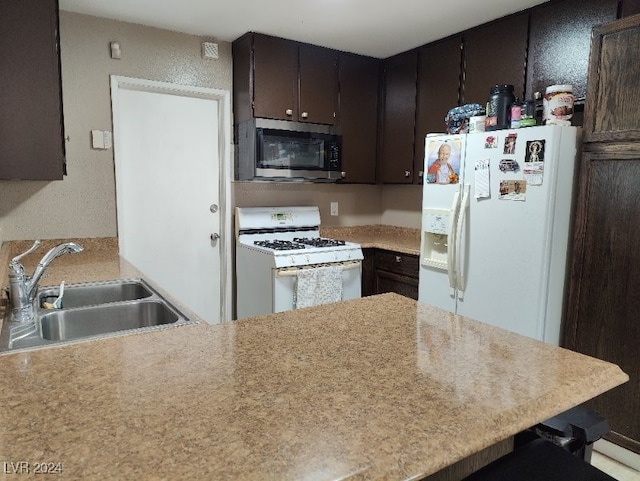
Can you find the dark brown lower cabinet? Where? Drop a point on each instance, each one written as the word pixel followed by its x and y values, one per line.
pixel 603 318
pixel 389 271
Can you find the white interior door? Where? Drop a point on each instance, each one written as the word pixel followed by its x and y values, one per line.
pixel 171 148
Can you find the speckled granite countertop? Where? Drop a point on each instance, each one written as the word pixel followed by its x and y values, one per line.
pixel 399 239
pixel 375 388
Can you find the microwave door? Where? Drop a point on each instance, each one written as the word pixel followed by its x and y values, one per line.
pixel 293 151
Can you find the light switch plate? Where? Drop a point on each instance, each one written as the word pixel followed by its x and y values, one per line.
pixel 101 139
pixel 97 139
pixel 334 208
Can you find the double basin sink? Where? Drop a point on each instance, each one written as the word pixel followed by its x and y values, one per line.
pixel 92 310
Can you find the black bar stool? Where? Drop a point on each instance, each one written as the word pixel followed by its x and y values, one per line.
pixel 558 449
pixel 539 460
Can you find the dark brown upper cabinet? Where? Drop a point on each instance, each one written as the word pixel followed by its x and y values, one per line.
pixel 31 124
pixel 495 53
pixel 559 43
pixel 439 74
pixel 318 84
pixel 630 7
pixel 611 108
pixel 399 111
pixel 275 78
pixel 281 79
pixel 359 79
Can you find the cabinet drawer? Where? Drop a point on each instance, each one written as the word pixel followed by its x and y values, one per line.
pixel 405 264
pixel 390 282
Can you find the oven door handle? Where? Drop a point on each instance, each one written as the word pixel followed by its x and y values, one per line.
pixel 293 271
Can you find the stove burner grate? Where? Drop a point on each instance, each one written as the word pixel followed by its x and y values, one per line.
pixel 319 241
pixel 279 245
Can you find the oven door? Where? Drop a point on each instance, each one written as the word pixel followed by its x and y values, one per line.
pixel 284 284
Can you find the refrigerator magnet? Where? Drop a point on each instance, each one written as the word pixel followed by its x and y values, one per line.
pixel 491 142
pixel 510 144
pixel 533 172
pixel 509 165
pixel 443 161
pixel 513 190
pixel 535 151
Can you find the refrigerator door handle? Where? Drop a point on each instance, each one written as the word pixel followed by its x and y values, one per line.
pixel 464 207
pixel 451 243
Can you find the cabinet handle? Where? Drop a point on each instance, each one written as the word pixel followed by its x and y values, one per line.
pixel 305 115
pixel 398 259
pixel 407 173
pixel 421 174
pixel 289 112
pixel 343 175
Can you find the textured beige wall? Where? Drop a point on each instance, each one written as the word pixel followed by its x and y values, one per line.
pixel 83 204
pixel 401 205
pixel 357 204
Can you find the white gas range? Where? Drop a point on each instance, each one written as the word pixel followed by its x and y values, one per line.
pixel 282 263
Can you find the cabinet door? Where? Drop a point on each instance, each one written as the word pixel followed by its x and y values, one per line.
pixel 31 126
pixel 358 117
pixel 368 272
pixel 318 84
pixel 602 315
pixel 439 74
pixel 495 54
pixel 630 7
pixel 611 109
pixel 559 43
pixel 398 124
pixel 275 78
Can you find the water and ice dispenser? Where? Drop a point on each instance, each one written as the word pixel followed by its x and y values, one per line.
pixel 436 229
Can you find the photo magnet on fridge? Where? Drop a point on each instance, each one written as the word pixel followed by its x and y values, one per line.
pixel 510 144
pixel 513 190
pixel 443 161
pixel 535 151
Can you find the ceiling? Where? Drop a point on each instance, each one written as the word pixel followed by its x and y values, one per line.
pixel 369 27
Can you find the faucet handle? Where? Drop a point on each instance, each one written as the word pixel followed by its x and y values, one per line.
pixel 15 262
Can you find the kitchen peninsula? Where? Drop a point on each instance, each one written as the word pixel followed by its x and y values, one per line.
pixel 375 388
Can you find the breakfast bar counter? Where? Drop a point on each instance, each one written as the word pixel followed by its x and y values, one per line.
pixel 375 388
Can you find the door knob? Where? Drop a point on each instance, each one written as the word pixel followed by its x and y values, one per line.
pixel 213 208
pixel 214 238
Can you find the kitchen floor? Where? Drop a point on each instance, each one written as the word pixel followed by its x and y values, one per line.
pixel 613 468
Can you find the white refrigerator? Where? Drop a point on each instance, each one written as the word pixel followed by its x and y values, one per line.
pixel 496 211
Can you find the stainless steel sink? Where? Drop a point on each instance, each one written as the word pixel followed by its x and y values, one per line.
pixel 92 310
pixel 90 294
pixel 63 324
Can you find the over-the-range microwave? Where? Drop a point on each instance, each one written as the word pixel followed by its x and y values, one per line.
pixel 282 150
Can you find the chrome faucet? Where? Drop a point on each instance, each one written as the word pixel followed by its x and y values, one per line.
pixel 22 288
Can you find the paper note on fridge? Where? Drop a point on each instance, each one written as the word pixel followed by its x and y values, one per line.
pixel 483 191
pixel 534 172
pixel 513 190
